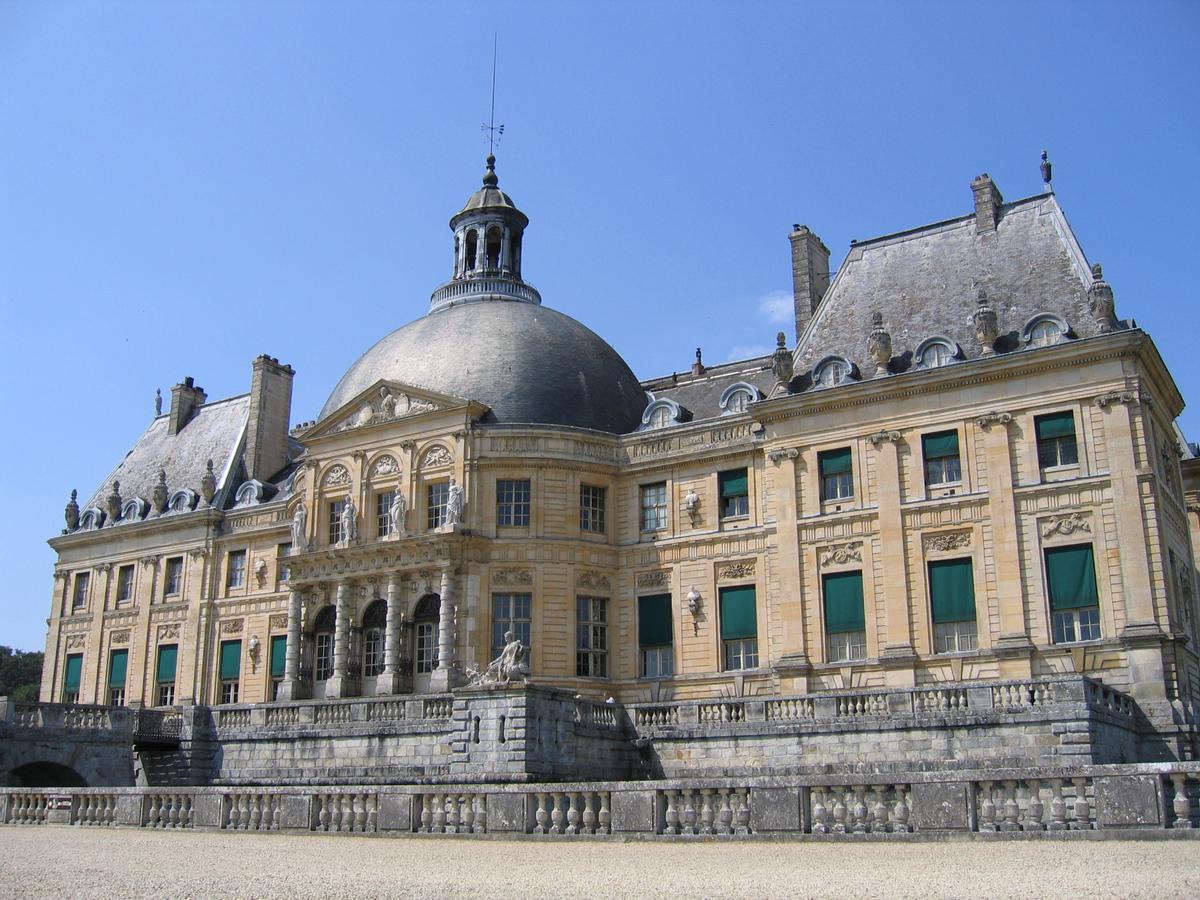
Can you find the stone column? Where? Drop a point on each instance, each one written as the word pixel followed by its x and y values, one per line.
pixel 443 676
pixel 389 681
pixel 291 688
pixel 339 684
pixel 897 649
pixel 480 249
pixel 792 661
pixel 506 263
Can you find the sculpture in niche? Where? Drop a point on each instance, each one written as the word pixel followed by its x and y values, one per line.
pixel 72 512
pixel 691 503
pixel 349 522
pixel 260 571
pixel 454 504
pixel 300 528
pixel 509 666
pixel 396 514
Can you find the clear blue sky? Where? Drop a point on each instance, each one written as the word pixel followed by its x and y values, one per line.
pixel 186 185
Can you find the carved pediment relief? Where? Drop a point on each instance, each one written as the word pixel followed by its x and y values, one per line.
pixel 385 401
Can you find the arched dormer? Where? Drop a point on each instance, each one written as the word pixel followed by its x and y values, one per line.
pixel 662 414
pixel 91 518
pixel 134 509
pixel 832 371
pixel 736 398
pixel 183 500
pixel 1045 329
pixel 935 352
pixel 249 493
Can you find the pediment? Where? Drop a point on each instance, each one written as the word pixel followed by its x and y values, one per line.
pixel 384 401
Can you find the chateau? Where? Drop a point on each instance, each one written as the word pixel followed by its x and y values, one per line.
pixel 950 523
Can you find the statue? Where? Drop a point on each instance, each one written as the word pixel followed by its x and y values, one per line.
pixel 454 504
pixel 691 503
pixel 509 666
pixel 349 522
pixel 300 528
pixel 387 404
pixel 158 402
pixel 396 514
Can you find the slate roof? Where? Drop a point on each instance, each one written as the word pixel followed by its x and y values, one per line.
pixel 926 283
pixel 701 394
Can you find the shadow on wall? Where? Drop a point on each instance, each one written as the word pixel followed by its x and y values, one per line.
pixel 45 774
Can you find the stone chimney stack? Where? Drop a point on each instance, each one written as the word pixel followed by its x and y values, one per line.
pixel 810 274
pixel 270 414
pixel 987 203
pixel 185 397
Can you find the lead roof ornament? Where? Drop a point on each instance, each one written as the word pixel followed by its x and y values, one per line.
pixel 782 366
pixel 879 344
pixel 1101 301
pixel 986 323
pixel 112 502
pixel 72 512
pixel 159 495
pixel 208 484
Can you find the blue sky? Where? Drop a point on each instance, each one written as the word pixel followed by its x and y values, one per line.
pixel 186 185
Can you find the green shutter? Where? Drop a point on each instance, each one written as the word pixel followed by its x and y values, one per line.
pixel 734 484
pixel 844 603
pixel 74 673
pixel 739 613
pixel 167 656
pixel 941 445
pixel 1071 574
pixel 1055 425
pixel 835 462
pixel 278 655
pixel 118 663
pixel 231 660
pixel 952 591
pixel 654 621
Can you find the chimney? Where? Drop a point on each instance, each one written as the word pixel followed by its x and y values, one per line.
pixel 270 414
pixel 810 274
pixel 987 203
pixel 185 397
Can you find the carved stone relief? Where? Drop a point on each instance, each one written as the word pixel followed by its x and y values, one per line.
pixel 1066 525
pixel 336 476
pixel 76 640
pixel 234 627
pixel 278 622
pixel 654 580
pixel 841 554
pixel 594 581
pixel 513 576
pixel 385 465
pixel 436 456
pixel 119 637
pixel 168 632
pixel 946 541
pixel 387 407
pixel 736 571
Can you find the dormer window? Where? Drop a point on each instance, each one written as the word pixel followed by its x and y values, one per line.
pixel 736 398
pixel 661 414
pixel 1044 330
pixel 660 418
pixel 832 371
pixel 935 353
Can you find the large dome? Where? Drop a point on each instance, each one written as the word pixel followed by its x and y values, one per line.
pixel 528 363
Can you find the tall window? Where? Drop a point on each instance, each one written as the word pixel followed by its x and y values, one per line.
pixel 1056 440
pixel 79 597
pixel 335 521
pixel 72 676
pixel 845 622
pixel 591 637
pixel 942 464
pixel 438 494
pixel 164 681
pixel 383 513
pixel 952 598
pixel 323 628
pixel 235 575
pixel 654 506
pixel 591 508
pixel 278 662
pixel 174 577
pixel 230 670
pixel 837 474
pixel 735 493
pixel 512 504
pixel 656 636
pixel 374 628
pixel 510 612
pixel 125 584
pixel 118 666
pixel 427 650
pixel 1074 600
pixel 739 627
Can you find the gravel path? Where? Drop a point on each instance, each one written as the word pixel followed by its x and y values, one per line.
pixel 70 862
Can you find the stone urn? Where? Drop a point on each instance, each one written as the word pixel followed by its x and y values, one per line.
pixel 879 345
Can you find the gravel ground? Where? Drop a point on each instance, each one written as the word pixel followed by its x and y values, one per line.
pixel 72 862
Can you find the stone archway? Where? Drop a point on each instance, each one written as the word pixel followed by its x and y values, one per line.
pixel 45 774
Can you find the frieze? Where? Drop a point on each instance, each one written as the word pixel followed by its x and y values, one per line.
pixel 660 579
pixel 1063 526
pixel 841 554
pixel 602 452
pixel 946 541
pixel 512 576
pixel 716 437
pixel 596 581
pixel 168 632
pixel 389 406
pixel 75 641
pixel 277 622
pixel 120 637
pixel 515 444
pixel 234 627
pixel 258 520
pixel 736 571
pixel 338 475
pixel 385 465
pixel 436 456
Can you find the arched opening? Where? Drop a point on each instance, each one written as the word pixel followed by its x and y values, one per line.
pixel 493 248
pixel 45 774
pixel 472 245
pixel 324 626
pixel 374 627
pixel 425 635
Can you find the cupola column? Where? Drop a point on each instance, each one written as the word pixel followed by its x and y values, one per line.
pixel 506 265
pixel 480 248
pixel 339 684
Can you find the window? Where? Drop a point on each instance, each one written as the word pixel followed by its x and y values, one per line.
pixel 1074 601
pixel 845 622
pixel 164 675
pixel 118 665
pixel 1056 440
pixel 278 662
pixel 934 354
pixel 510 612
pixel 230 670
pixel 942 464
pixel 383 513
pixel 323 629
pixel 952 598
pixel 837 474
pixel 174 579
pixel 335 521
pixel 427 650
pixel 1045 333
pixel 739 627
pixel 738 402
pixel 125 584
pixel 654 506
pixel 79 598
pixel 235 577
pixel 512 504
pixel 591 637
pixel 656 636
pixel 591 508
pixel 661 417
pixel 831 373
pixel 735 493
pixel 72 675
pixel 439 496
pixel 283 568
pixel 374 629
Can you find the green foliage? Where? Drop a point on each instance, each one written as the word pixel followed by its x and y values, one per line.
pixel 20 674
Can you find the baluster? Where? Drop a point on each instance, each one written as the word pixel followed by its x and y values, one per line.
pixel 83 809
pixel 725 813
pixel 860 808
pixel 360 816
pixel 335 812
pixel 742 817
pixel 672 815
pixel 439 813
pixel 234 814
pixel 556 813
pixel 322 801
pixel 706 811
pixel 1035 809
pixel 454 826
pixel 605 814
pixel 879 813
pixel 689 811
pixel 153 811
pixel 987 809
pixel 1012 811
pixel 1058 806
pixel 540 814
pixel 480 826
pixel 572 813
pixel 589 814
pixel 247 803
pixel 1181 805
pixel 820 824
pixel 256 804
pixel 839 811
pixel 1082 810
pixel 110 809
pixel 174 802
pixel 372 802
pixel 467 821
pixel 900 811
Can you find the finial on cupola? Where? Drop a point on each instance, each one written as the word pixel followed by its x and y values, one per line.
pixel 1046 172
pixel 489 177
pixel 158 401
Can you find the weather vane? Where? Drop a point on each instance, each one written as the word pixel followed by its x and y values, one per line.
pixel 494 131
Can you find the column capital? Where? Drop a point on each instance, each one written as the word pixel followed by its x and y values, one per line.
pixel 779 455
pixel 1104 401
pixel 987 420
pixel 881 437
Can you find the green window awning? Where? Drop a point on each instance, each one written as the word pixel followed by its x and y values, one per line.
pixel 1055 425
pixel 844 603
pixel 168 655
pixel 654 621
pixel 739 613
pixel 941 445
pixel 952 591
pixel 74 673
pixel 118 664
pixel 231 660
pixel 733 484
pixel 278 655
pixel 1071 575
pixel 835 462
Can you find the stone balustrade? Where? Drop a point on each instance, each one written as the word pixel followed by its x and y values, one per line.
pixel 68 716
pixel 332 713
pixel 571 812
pixel 346 812
pixel 721 810
pixel 454 812
pixel 250 811
pixel 491 285
pixel 172 810
pixel 604 715
pixel 1035 804
pixel 95 809
pixel 860 809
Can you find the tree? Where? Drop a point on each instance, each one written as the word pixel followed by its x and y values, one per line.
pixel 20 674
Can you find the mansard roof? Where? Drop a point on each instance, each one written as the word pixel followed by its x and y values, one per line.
pixel 701 394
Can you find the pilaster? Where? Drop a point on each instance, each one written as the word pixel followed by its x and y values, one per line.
pixel 897 651
pixel 791 658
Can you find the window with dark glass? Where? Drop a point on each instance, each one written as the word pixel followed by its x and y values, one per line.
pixel 591 508
pixel 438 495
pixel 230 670
pixel 124 584
pixel 174 577
pixel 323 630
pixel 656 636
pixel 952 601
pixel 1074 600
pixel 837 474
pixel 734 487
pixel 845 620
pixel 739 627
pixel 1056 440
pixel 118 666
pixel 510 612
pixel 654 506
pixel 942 463
pixel 79 598
pixel 164 680
pixel 383 513
pixel 278 662
pixel 374 625
pixel 235 577
pixel 335 521
pixel 591 637
pixel 512 504
pixel 283 567
pixel 72 676
pixel 427 649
